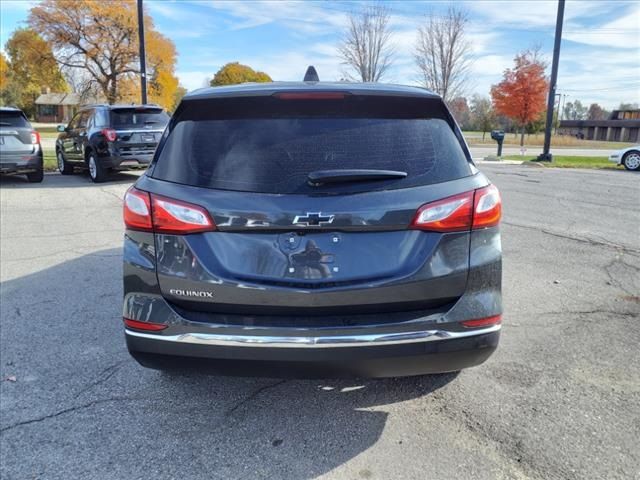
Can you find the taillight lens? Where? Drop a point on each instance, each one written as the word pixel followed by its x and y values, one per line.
pixel 149 326
pixel 174 216
pixel 483 322
pixel 310 96
pixel 110 134
pixel 487 208
pixel 35 138
pixel 150 212
pixel 137 210
pixel 452 214
pixel 476 209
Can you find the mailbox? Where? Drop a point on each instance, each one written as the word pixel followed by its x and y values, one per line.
pixel 498 136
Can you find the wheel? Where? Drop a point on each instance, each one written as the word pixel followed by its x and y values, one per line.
pixel 97 172
pixel 64 166
pixel 35 177
pixel 631 160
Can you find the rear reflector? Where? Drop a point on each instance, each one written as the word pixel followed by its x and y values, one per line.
pixel 476 209
pixel 154 213
pixel 311 96
pixel 154 327
pixel 483 322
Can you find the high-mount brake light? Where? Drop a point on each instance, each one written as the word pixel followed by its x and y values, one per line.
pixel 154 213
pixel 110 134
pixel 310 95
pixel 477 209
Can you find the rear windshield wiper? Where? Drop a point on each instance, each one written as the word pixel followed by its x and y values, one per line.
pixel 320 177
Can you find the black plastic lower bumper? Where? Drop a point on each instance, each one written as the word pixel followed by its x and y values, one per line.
pixel 440 356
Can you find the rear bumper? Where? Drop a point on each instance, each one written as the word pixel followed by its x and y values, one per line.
pixel 367 355
pixel 126 162
pixel 16 164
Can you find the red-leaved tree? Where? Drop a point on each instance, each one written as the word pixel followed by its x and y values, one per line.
pixel 522 93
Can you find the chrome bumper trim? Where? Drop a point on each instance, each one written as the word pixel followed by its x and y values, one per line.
pixel 333 341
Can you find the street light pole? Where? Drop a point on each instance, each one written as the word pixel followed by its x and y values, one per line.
pixel 143 63
pixel 545 155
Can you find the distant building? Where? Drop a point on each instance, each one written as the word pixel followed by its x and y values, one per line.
pixel 56 107
pixel 621 126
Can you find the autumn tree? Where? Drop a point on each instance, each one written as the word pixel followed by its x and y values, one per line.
pixel 366 48
pixel 596 112
pixel 461 112
pixel 101 40
pixel 443 53
pixel 482 114
pixel 521 95
pixel 234 73
pixel 33 68
pixel 9 93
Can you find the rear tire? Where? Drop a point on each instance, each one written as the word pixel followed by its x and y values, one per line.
pixel 97 172
pixel 631 160
pixel 35 177
pixel 64 166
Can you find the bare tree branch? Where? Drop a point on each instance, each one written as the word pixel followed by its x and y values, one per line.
pixel 366 48
pixel 443 54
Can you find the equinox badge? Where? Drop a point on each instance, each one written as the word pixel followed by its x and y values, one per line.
pixel 313 219
pixel 190 293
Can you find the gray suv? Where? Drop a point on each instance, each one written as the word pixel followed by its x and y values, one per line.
pixel 312 229
pixel 20 148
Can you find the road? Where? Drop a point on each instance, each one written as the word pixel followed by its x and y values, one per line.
pixel 560 399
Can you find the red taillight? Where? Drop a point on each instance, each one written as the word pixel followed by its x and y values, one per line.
pixel 137 210
pixel 149 212
pixel 174 216
pixel 149 326
pixel 310 96
pixel 452 214
pixel 476 209
pixel 483 322
pixel 487 207
pixel 35 138
pixel 110 134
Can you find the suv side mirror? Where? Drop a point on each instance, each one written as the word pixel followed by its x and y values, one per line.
pixel 61 128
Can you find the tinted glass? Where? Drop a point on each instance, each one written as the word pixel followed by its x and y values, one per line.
pixel 101 118
pixel 12 119
pixel 138 117
pixel 275 155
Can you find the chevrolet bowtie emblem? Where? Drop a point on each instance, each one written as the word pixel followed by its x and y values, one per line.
pixel 313 219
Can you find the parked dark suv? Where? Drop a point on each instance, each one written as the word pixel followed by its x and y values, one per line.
pixel 312 229
pixel 20 149
pixel 102 138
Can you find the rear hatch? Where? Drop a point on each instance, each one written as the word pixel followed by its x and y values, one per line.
pixel 138 129
pixel 15 136
pixel 297 230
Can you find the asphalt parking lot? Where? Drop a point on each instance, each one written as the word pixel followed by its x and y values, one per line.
pixel 559 400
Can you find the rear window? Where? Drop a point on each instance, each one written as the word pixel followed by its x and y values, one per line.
pixel 274 149
pixel 13 119
pixel 139 117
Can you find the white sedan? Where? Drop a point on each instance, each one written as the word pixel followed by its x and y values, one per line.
pixel 629 157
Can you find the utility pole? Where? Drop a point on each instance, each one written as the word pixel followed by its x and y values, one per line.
pixel 545 155
pixel 143 63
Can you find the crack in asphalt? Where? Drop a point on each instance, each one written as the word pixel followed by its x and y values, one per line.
pixel 589 241
pixel 70 410
pixel 252 396
pixel 103 376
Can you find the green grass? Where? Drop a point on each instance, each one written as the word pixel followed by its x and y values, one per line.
pixel 50 162
pixel 562 161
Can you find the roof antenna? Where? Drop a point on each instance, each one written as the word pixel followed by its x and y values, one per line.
pixel 311 75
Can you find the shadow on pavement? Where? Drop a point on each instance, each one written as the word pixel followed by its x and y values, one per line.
pixel 55 180
pixel 82 408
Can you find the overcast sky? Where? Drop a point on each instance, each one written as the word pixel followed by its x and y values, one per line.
pixel 599 61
